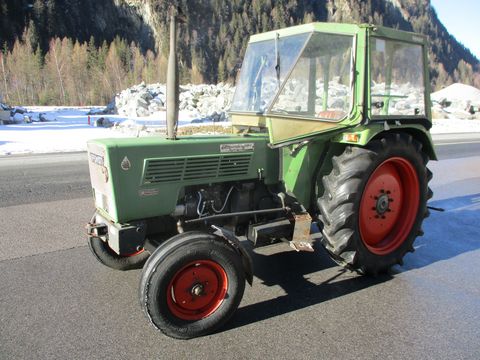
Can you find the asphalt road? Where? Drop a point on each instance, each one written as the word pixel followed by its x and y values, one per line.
pixel 57 302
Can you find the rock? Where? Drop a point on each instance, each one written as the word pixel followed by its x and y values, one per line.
pixel 103 122
pixel 146 96
pixel 215 116
pixel 5 107
pixel 402 105
pixel 17 118
pixel 144 100
pixel 156 105
pixel 142 111
pixel 19 110
pixel 42 117
pixel 336 103
pixel 98 122
pixel 141 102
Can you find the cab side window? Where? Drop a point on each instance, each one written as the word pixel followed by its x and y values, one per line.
pixel 397 79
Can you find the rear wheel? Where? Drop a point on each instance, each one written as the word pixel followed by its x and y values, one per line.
pixel 105 255
pixel 374 203
pixel 191 285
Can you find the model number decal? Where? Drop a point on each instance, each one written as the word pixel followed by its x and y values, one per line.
pixel 229 148
pixel 149 192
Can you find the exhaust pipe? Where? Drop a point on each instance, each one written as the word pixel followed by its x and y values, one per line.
pixel 176 15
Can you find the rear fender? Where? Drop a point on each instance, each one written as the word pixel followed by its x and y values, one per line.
pixel 361 136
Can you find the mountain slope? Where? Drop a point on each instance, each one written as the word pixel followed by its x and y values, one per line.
pixel 213 41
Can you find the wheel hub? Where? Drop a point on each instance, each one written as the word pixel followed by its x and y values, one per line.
pixel 382 205
pixel 197 290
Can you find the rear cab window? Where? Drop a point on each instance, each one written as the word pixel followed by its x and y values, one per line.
pixel 397 79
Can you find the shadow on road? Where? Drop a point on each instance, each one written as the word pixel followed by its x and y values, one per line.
pixel 447 234
pixel 288 270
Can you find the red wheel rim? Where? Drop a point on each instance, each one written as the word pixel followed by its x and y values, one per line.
pixel 197 290
pixel 389 206
pixel 126 255
pixel 133 254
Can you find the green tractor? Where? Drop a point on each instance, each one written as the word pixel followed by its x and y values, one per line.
pixel 330 133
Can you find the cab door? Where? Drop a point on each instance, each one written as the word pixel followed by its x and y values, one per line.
pixel 320 93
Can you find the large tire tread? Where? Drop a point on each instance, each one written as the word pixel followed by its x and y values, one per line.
pixel 343 187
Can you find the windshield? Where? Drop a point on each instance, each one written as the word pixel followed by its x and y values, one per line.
pixel 260 77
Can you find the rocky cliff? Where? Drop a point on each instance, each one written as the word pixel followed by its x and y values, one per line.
pixel 212 42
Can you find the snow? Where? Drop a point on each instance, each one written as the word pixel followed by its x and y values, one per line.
pixel 67 129
pixel 456 101
pixel 458 92
pixel 452 126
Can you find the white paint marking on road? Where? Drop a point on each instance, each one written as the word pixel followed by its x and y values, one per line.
pixel 457 143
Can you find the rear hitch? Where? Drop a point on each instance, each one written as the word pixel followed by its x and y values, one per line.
pixel 96 229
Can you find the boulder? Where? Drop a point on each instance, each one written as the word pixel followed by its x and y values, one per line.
pixel 103 122
pixel 145 100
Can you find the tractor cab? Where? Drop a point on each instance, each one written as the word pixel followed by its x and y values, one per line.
pixel 320 77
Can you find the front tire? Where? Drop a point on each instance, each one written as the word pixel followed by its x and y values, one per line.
pixel 374 203
pixel 191 285
pixel 106 256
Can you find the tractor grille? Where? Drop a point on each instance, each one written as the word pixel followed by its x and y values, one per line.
pixel 203 167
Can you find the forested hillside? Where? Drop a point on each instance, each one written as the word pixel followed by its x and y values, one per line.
pixel 83 51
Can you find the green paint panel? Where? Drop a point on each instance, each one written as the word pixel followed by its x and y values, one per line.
pixel 300 168
pixel 158 169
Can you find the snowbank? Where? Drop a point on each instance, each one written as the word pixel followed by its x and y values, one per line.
pixel 64 129
pixel 457 101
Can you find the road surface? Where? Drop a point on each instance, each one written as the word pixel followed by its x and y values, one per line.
pixel 57 302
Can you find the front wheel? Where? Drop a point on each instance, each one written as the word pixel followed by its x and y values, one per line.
pixel 191 285
pixel 106 256
pixel 374 203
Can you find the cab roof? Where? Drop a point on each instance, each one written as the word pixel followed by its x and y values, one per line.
pixel 340 28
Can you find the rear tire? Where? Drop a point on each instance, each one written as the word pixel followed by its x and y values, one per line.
pixel 374 203
pixel 106 256
pixel 191 285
